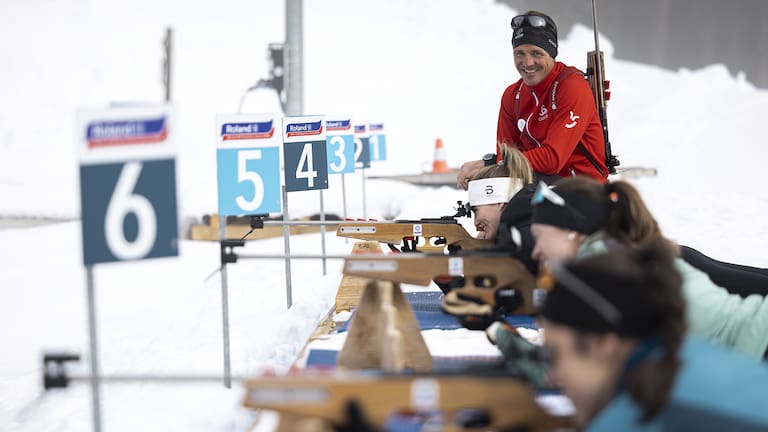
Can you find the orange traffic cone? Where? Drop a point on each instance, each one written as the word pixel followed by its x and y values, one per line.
pixel 439 165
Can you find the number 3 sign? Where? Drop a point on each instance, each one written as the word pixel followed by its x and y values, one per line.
pixel 127 184
pixel 248 164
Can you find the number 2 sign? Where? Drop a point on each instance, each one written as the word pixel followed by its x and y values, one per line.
pixel 248 163
pixel 127 184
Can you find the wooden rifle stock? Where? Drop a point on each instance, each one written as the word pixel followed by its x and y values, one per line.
pixel 436 233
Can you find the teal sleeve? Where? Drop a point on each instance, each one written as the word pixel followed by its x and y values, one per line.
pixel 522 356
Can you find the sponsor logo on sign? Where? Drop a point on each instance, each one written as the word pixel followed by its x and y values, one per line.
pixel 126 132
pixel 376 127
pixel 360 129
pixel 338 125
pixel 304 129
pixel 240 131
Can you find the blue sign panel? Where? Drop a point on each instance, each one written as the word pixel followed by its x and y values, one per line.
pixel 362 146
pixel 306 166
pixel 378 142
pixel 341 146
pixel 249 180
pixel 128 211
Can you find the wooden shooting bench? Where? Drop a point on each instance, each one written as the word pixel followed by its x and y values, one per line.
pixel 385 339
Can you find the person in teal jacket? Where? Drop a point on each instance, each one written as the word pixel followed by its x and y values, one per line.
pixel 579 217
pixel 616 344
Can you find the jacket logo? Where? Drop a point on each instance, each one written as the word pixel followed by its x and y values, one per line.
pixel 543 113
pixel 574 120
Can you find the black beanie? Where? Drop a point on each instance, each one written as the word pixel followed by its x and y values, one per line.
pixel 579 213
pixel 542 37
pixel 611 292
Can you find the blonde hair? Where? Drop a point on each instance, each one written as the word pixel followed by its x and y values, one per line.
pixel 513 164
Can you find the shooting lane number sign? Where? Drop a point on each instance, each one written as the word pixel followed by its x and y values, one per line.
pixel 305 153
pixel 248 163
pixel 341 145
pixel 127 184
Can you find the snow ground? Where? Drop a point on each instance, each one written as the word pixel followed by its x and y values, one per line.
pixel 411 64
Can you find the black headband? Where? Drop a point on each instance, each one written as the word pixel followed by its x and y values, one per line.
pixel 541 37
pixel 578 213
pixel 597 300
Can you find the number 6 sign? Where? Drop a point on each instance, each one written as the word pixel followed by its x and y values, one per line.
pixel 248 164
pixel 127 184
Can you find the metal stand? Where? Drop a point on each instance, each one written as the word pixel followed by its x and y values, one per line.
pixel 286 237
pixel 344 200
pixel 365 204
pixel 225 306
pixel 94 379
pixel 322 232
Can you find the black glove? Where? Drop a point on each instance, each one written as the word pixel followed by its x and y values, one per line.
pixel 355 421
pixel 471 312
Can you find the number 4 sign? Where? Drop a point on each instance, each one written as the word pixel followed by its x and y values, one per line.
pixel 127 184
pixel 305 156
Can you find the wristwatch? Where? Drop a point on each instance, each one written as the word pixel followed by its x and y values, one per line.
pixel 489 159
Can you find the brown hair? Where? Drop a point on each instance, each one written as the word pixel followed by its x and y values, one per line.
pixel 630 222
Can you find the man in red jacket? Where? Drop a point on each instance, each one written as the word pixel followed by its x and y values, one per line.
pixel 550 113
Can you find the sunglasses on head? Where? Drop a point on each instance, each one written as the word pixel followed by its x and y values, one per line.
pixel 544 193
pixel 535 21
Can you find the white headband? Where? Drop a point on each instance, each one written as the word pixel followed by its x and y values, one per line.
pixel 493 190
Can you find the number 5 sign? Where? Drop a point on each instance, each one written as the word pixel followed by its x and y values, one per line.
pixel 248 164
pixel 127 184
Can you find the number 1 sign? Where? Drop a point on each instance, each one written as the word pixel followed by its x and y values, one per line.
pixel 248 163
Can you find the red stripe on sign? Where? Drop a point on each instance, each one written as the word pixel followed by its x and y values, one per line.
pixel 151 139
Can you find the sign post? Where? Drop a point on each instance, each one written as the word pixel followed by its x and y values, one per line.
pixel 248 180
pixel 341 152
pixel 362 156
pixel 305 162
pixel 127 198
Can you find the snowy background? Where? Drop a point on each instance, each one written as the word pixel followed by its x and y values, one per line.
pixel 427 68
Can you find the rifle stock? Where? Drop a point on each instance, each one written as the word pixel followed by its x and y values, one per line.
pixel 507 401
pixel 483 276
pixel 437 235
